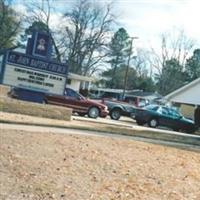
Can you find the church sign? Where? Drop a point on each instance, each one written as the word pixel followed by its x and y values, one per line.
pixel 34 70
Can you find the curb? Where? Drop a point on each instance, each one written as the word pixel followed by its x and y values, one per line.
pixel 143 133
pixel 165 135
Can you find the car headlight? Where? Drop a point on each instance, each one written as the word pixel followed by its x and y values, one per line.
pixel 104 108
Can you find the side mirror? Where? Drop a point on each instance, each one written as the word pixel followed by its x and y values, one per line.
pixel 80 98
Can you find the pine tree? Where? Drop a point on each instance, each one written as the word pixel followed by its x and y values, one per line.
pixel 118 54
pixel 192 68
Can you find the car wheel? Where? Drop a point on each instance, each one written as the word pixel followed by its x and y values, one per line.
pixel 132 115
pixel 190 131
pixel 93 112
pixel 44 101
pixel 176 129
pixel 81 114
pixel 140 123
pixel 153 123
pixel 115 114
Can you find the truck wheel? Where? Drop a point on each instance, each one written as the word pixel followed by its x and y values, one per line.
pixel 115 114
pixel 93 112
pixel 153 123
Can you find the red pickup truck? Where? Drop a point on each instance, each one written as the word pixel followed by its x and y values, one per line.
pixel 78 103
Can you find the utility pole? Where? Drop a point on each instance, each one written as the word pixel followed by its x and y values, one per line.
pixel 127 67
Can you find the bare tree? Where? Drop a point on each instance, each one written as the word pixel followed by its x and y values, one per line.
pixel 174 45
pixel 38 17
pixel 39 12
pixel 87 35
pixel 169 64
pixel 140 63
pixel 82 39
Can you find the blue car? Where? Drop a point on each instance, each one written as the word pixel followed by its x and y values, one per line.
pixel 156 115
pixel 26 95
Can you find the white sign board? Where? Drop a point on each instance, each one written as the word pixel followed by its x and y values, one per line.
pixel 33 80
pixel 30 73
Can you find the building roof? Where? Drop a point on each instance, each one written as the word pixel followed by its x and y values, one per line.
pixel 189 93
pixel 80 77
pixel 113 90
pixel 150 95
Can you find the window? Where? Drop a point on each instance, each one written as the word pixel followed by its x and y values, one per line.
pixel 71 93
pixel 111 95
pixel 165 111
pixel 152 107
pixel 69 81
pixel 174 113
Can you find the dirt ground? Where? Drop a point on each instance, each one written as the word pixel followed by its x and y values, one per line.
pixel 37 166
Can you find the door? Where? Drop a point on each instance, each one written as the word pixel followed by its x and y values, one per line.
pixel 75 101
pixel 170 118
pixel 176 119
pixel 165 119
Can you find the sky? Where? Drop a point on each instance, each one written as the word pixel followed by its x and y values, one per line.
pixel 147 19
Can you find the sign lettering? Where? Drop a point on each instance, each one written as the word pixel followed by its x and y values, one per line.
pixel 36 63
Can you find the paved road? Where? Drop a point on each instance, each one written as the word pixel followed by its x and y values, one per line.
pixel 42 129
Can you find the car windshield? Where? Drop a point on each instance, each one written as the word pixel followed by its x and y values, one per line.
pixel 151 107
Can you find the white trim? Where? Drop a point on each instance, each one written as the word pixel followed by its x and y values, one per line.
pixel 80 77
pixel 113 90
pixel 182 89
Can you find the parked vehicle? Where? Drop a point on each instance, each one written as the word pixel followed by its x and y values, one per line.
pixel 26 95
pixel 71 99
pixel 137 98
pixel 119 108
pixel 78 103
pixel 155 115
pixel 137 101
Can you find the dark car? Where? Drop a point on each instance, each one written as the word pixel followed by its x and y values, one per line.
pixel 71 99
pixel 78 103
pixel 155 115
